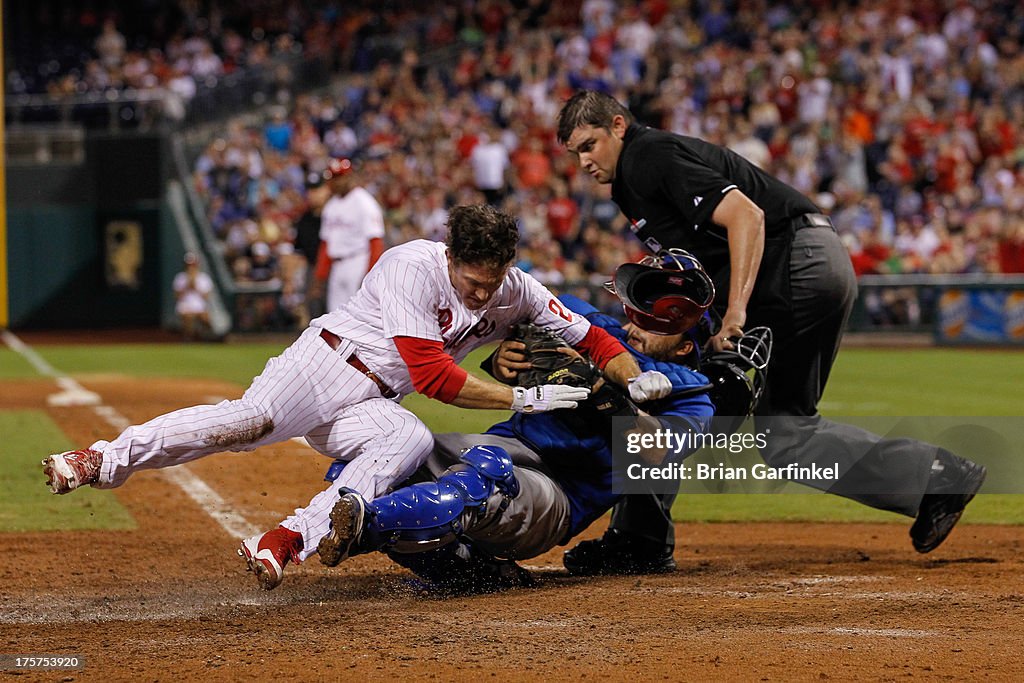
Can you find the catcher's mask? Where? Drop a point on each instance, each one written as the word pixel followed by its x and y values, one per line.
pixel 738 376
pixel 664 294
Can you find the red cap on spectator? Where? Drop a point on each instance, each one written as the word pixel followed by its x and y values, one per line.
pixel 338 167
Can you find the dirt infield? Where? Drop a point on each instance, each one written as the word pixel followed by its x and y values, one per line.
pixel 171 601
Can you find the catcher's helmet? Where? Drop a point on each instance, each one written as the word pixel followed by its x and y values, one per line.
pixel 664 294
pixel 738 377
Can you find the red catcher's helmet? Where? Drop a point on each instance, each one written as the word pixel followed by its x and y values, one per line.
pixel 664 294
pixel 338 167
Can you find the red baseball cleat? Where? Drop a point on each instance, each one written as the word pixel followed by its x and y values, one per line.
pixel 66 471
pixel 267 554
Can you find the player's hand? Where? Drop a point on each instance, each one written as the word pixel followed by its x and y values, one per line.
pixel 649 386
pixel 509 360
pixel 547 397
pixel 732 328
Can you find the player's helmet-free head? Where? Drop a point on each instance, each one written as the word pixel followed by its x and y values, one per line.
pixel 338 167
pixel 738 376
pixel 664 294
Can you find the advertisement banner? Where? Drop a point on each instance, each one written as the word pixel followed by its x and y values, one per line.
pixel 980 316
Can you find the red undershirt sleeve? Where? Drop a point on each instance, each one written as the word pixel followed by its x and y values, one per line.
pixel 323 263
pixel 434 373
pixel 600 346
pixel 376 249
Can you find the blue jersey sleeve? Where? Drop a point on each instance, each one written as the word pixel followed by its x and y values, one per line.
pixel 680 413
pixel 606 322
pixel 577 305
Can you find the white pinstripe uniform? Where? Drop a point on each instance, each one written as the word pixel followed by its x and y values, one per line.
pixel 312 390
pixel 347 224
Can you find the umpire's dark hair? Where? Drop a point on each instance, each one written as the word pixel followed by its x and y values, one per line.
pixel 479 234
pixel 589 108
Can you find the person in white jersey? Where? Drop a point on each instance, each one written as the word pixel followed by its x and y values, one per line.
pixel 351 233
pixel 420 311
pixel 192 289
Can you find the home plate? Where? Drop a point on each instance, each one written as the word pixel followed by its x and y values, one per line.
pixel 73 397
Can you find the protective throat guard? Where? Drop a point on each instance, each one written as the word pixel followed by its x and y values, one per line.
pixel 738 377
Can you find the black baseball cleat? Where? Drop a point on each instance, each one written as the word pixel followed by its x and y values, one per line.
pixel 348 517
pixel 953 483
pixel 619 553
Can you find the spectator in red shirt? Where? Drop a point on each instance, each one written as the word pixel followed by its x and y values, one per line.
pixel 869 255
pixel 563 215
pixel 1011 246
pixel 533 166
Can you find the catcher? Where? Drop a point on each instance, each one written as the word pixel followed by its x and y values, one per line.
pixel 535 480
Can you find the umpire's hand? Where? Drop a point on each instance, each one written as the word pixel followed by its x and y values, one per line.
pixel 732 329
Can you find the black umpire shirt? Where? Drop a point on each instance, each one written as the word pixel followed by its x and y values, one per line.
pixel 669 185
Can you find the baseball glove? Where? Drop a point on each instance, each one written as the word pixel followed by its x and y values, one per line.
pixel 550 365
pixel 546 352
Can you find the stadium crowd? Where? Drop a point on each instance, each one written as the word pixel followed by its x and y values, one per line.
pixel 904 120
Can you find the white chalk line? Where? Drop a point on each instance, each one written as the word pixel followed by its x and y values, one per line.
pixel 195 488
pixel 854 405
pixel 29 354
pixel 868 632
pixel 813 588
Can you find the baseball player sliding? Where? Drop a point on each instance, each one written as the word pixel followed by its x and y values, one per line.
pixel 351 234
pixel 422 308
pixel 531 482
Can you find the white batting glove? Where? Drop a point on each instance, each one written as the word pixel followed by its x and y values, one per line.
pixel 547 397
pixel 648 386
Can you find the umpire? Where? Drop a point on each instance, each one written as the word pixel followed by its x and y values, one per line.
pixel 777 261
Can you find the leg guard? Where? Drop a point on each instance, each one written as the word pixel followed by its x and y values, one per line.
pixel 334 471
pixel 427 515
pixel 494 463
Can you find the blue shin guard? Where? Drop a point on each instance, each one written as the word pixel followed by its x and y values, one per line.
pixel 428 515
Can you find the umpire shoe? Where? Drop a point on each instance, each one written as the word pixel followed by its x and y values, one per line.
pixel 619 553
pixel 348 516
pixel 66 471
pixel 268 554
pixel 952 485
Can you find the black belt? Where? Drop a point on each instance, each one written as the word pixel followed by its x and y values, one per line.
pixel 812 220
pixel 334 341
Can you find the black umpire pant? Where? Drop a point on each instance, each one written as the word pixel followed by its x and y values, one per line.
pixel 888 474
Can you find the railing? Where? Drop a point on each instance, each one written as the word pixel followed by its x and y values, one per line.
pixel 112 109
pixel 45 145
pixel 252 306
pixel 978 309
pixel 215 98
pixel 972 308
pixel 220 313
